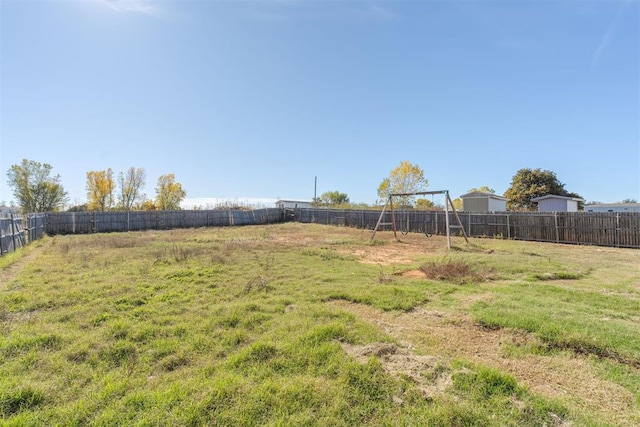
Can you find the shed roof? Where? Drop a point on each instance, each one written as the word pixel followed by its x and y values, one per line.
pixel 293 201
pixel 553 196
pixel 483 194
pixel 613 205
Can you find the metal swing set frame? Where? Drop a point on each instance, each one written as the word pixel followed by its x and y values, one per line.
pixel 448 204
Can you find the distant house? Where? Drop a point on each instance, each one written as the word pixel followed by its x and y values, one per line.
pixel 553 203
pixel 293 204
pixel 612 207
pixel 477 201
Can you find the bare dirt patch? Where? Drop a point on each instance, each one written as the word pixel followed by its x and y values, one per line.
pixel 384 250
pixel 8 273
pixel 414 274
pixel 405 250
pixel 423 370
pixel 456 337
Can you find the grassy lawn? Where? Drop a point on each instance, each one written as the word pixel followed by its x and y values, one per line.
pixel 296 324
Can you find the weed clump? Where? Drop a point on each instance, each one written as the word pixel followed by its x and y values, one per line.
pixel 456 271
pixel 14 401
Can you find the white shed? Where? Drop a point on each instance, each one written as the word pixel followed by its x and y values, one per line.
pixel 553 203
pixel 477 201
pixel 293 204
pixel 612 207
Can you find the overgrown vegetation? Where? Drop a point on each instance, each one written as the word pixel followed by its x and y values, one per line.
pixel 234 326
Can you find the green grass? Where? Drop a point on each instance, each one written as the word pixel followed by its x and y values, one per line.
pixel 233 326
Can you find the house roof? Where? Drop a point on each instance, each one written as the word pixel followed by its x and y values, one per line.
pixel 553 196
pixel 613 205
pixel 292 201
pixel 482 194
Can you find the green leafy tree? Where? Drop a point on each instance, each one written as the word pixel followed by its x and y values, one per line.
pixel 100 189
pixel 428 205
pixel 334 198
pixel 169 193
pixel 131 184
pixel 531 183
pixel 404 178
pixel 425 204
pixel 483 189
pixel 34 188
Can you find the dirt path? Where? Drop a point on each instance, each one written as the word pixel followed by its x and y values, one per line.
pixel 455 337
pixel 11 271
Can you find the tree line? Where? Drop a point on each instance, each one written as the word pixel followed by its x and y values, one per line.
pixel 526 185
pixel 407 177
pixel 36 189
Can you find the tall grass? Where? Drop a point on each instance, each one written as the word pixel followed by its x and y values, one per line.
pixel 230 326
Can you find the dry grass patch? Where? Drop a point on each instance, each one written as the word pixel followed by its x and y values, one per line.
pixel 454 337
pixel 456 271
pixel 428 373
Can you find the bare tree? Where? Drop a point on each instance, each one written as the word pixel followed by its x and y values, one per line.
pixel 131 184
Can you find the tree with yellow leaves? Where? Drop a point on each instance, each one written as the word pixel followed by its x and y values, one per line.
pixel 405 178
pixel 169 193
pixel 100 189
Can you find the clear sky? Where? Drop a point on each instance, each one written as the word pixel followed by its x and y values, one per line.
pixel 253 99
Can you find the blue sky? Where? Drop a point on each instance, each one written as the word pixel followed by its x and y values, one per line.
pixel 246 100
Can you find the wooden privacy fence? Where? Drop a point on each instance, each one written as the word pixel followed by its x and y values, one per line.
pixel 589 228
pixel 619 229
pixel 17 230
pixel 102 222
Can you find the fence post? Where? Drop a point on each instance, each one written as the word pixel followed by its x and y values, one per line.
pixel 13 232
pixel 508 228
pixel 555 220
